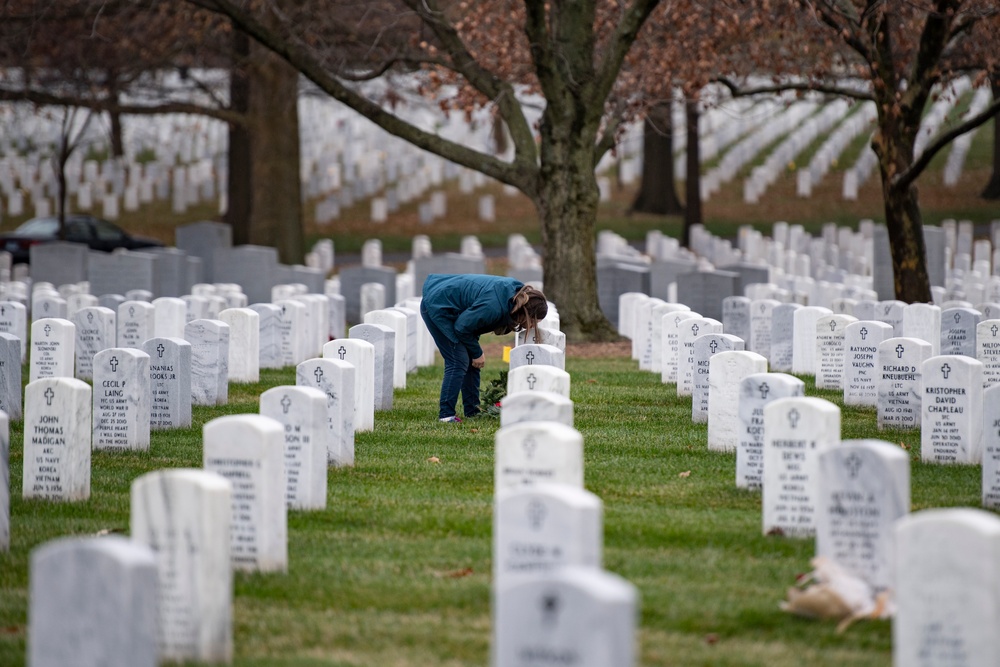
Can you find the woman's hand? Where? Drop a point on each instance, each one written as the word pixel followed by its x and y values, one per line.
pixel 479 362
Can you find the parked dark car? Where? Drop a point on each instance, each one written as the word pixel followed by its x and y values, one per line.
pixel 97 233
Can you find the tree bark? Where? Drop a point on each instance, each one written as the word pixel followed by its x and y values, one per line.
pixel 692 179
pixel 992 190
pixel 902 215
pixel 657 192
pixel 276 201
pixel 239 189
pixel 566 200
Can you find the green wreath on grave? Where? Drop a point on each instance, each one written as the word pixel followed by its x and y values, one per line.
pixel 493 394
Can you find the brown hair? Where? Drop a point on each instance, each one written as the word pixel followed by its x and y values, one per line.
pixel 530 306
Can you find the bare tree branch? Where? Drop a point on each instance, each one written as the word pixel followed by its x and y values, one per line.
pixel 905 178
pixel 737 91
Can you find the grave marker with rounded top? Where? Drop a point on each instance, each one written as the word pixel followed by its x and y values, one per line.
pixel 292 332
pixel 169 382
pixel 136 322
pixel 736 317
pixel 761 313
pixel 532 452
pixel 336 379
pixel 671 324
pixel 951 427
pixel 92 603
pixel 782 336
pixel 542 527
pixel 958 331
pixel 95 331
pixel 947 589
pixel 268 334
pixel 705 347
pixel 756 391
pixel 923 321
pixel 10 376
pixel 726 373
pixel 53 343
pixel 302 413
pixel 533 354
pixel 244 344
pixel 360 354
pixel 542 335
pixel 900 361
pixel 578 616
pixel 538 378
pixel 991 447
pixel 864 487
pixel 688 332
pixel 209 361
pixel 660 311
pixel 861 341
pixel 988 351
pixel 642 330
pixel 121 399
pixel 804 339
pixel 14 320
pixel 249 451
pixel 57 432
pixel 796 431
pixel 830 350
pixel 184 516
pixel 527 406
pixel 170 316
pixel 396 321
pixel 4 482
pixel 383 340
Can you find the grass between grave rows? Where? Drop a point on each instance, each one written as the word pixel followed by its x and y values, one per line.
pixel 396 570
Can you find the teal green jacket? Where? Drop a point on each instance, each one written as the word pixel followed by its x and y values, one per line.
pixel 465 306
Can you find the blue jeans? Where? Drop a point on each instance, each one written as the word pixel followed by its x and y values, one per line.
pixel 459 373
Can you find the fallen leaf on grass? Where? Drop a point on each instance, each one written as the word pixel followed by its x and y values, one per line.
pixel 434 459
pixel 686 473
pixel 473 430
pixel 11 630
pixel 711 638
pixel 904 445
pixel 591 381
pixel 455 574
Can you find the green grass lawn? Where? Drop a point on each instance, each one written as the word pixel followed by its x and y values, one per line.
pixel 396 570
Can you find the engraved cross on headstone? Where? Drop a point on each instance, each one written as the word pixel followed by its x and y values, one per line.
pixel 958 317
pixel 529 445
pixel 342 351
pixel 531 381
pixel 945 371
pixel 764 389
pixel 319 374
pixel 530 357
pixel 694 329
pixel 90 317
pixel 713 346
pixel 113 362
pixel 49 395
pixel 285 404
pixel 994 329
pixel 793 418
pixel 550 608
pixel 853 464
pixel 131 311
pixel 536 514
pixel 833 325
pixel 47 330
pixel 899 351
pixel 160 349
pixel 864 333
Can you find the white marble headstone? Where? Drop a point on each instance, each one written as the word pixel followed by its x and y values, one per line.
pixel 14 320
pixel 687 334
pixel 538 378
pixel 121 399
pixel 951 428
pixel 726 373
pixel 336 379
pixel 209 361
pixel 947 589
pixel 705 347
pixel 578 616
pixel 95 331
pixel 170 316
pixel 533 354
pixel 136 322
pixel 184 516
pixel 900 390
pixel 761 312
pixel 301 411
pixel 671 324
pixel 532 452
pixel 269 334
pixel 830 350
pixel 53 345
pixel 891 313
pixel 249 451
pixel 796 431
pixel 527 406
pixel 861 341
pixel 542 527
pixel 923 321
pixel 804 339
pixel 93 603
pixel 10 376
pixel 360 354
pixel 383 341
pixel 864 487
pixel 988 351
pixel 57 431
pixel 396 321
pixel 244 344
pixel 756 391
pixel 656 344
pixel 169 382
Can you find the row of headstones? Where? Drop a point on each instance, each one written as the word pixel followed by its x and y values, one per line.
pixel 262 461
pixel 553 601
pixel 850 494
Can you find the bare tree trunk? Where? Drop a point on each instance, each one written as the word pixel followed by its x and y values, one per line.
pixel 657 192
pixel 273 120
pixel 902 216
pixel 692 180
pixel 567 198
pixel 992 190
pixel 239 189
